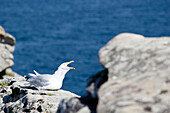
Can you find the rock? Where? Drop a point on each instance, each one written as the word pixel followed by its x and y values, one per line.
pixel 2 31
pixel 134 53
pixel 6 38
pixel 88 102
pixel 5 58
pixel 90 98
pixel 7 47
pixel 71 105
pixel 139 79
pixel 84 110
pixel 19 97
pixel 10 73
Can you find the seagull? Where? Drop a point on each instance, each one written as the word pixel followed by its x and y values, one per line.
pixel 50 81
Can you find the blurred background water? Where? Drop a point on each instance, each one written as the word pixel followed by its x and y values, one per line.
pixel 49 32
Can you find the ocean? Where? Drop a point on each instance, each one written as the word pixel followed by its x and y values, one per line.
pixel 50 32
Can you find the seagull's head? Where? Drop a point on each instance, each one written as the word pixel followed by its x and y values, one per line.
pixel 64 66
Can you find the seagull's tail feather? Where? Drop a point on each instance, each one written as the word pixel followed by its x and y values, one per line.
pixel 36 72
pixel 32 75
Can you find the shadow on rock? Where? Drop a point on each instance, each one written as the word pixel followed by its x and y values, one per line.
pixel 17 93
pixel 90 98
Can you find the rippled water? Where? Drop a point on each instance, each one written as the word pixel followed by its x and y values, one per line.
pixel 49 32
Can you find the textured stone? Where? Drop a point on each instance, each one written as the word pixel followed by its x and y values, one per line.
pixel 71 105
pixel 6 38
pixel 19 97
pixel 7 43
pixel 5 58
pixel 2 31
pixel 84 110
pixel 139 79
pixel 134 53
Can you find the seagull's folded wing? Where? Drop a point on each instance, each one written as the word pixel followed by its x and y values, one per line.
pixel 39 81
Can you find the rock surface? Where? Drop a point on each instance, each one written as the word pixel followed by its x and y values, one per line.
pixel 71 105
pixel 130 54
pixel 139 78
pixel 17 96
pixel 7 47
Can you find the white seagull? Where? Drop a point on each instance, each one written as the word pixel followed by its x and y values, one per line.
pixel 48 81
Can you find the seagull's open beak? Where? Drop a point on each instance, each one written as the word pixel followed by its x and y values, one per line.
pixel 70 63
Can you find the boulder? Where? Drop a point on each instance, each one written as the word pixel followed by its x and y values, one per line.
pixel 7 43
pixel 128 54
pixel 139 79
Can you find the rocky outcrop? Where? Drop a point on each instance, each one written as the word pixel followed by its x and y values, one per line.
pixel 7 47
pixel 139 78
pixel 17 96
pixel 137 69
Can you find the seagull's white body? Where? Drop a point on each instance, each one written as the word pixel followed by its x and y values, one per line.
pixel 50 81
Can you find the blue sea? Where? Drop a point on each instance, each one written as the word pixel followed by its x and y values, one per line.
pixel 50 32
